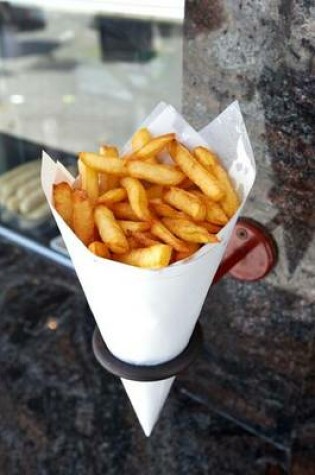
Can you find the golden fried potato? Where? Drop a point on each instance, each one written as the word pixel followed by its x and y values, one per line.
pixel 230 201
pixel 210 227
pixel 205 157
pixel 83 221
pixel 155 191
pixel 153 257
pixel 112 196
pixel 108 182
pixel 154 146
pixel 104 163
pixel 165 235
pixel 62 199
pixel 192 248
pixel 145 239
pixel 196 172
pixel 165 210
pixel 110 231
pixel 89 181
pixel 161 174
pixel 189 231
pixel 140 138
pixel 137 197
pixel 215 213
pixel 130 227
pixel 187 202
pixel 124 211
pixel 99 249
pixel 109 151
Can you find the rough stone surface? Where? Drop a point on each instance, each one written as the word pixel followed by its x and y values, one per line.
pixel 257 363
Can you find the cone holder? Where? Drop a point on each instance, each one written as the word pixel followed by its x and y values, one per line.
pixel 146 373
pixel 250 256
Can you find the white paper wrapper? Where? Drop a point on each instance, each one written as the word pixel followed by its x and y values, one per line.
pixel 148 316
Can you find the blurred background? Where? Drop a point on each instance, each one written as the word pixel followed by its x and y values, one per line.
pixel 74 75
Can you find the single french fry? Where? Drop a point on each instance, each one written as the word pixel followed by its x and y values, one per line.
pixel 145 239
pixel 83 222
pixel 137 197
pixel 215 213
pixel 110 231
pixel 99 249
pixel 230 201
pixel 133 227
pixel 140 138
pixel 154 146
pixel 192 248
pixel 210 227
pixel 189 231
pixel 124 211
pixel 165 235
pixel 62 199
pixel 109 151
pixel 154 191
pixel 112 196
pixel 196 172
pixel 166 175
pixel 153 257
pixel 89 181
pixel 187 202
pixel 108 182
pixel 104 163
pixel 165 210
pixel 205 157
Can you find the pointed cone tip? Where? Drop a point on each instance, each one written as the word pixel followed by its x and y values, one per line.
pixel 147 400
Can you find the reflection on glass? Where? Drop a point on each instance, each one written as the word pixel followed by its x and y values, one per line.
pixel 71 81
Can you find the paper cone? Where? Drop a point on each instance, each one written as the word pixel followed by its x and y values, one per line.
pixel 147 400
pixel 147 316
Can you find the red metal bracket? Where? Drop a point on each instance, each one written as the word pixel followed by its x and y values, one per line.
pixel 251 253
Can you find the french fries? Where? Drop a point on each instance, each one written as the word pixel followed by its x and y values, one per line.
pixel 83 222
pixel 104 163
pixel 186 202
pixel 144 213
pixel 189 231
pixel 137 197
pixel 215 213
pixel 153 146
pixel 160 231
pixel 165 175
pixel 99 249
pixel 165 210
pixel 89 181
pixel 62 197
pixel 130 227
pixel 145 239
pixel 108 182
pixel 192 248
pixel 110 231
pixel 112 196
pixel 154 191
pixel 109 151
pixel 231 201
pixel 124 211
pixel 153 257
pixel 140 138
pixel 196 172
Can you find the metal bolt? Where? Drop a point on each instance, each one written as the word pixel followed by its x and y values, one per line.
pixel 242 233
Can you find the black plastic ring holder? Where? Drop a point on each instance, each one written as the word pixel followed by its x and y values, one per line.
pixel 143 372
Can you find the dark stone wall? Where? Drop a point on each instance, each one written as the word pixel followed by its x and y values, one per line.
pixel 259 337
